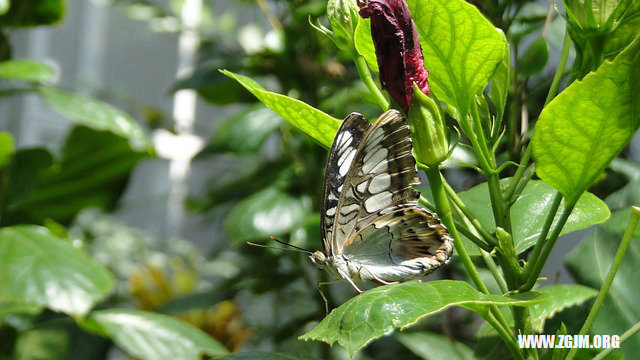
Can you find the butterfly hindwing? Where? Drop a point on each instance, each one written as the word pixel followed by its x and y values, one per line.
pixel 401 244
pixel 380 179
pixel 341 156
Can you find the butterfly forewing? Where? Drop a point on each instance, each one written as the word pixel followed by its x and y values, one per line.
pixel 341 156
pixel 380 179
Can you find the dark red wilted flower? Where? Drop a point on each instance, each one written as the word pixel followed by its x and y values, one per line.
pixel 398 48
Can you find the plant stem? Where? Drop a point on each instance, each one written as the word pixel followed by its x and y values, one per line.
pixel 506 337
pixel 606 285
pixel 444 210
pixel 542 259
pixel 497 275
pixel 468 214
pixel 526 156
pixel 533 258
pixel 365 75
pixel 557 77
pixel 528 174
pixel 627 334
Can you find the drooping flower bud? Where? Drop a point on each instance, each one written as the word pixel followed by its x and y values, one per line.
pixel 428 130
pixel 398 49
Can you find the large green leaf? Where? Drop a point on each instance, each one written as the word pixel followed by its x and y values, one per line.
pixel 148 335
pixel 431 346
pixel 94 114
pixel 38 268
pixel 587 125
pixel 93 172
pixel 265 213
pixel 534 58
pixel 26 70
pixel 529 212
pixel 625 31
pixel 461 48
pixel 315 123
pixel 381 310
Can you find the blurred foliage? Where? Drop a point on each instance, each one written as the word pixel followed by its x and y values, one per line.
pixel 266 181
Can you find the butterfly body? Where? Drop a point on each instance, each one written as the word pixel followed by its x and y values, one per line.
pixel 372 228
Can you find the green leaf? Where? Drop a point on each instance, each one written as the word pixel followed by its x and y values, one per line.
pixel 246 131
pixel 528 213
pixel 95 114
pixel 625 31
pixel 43 344
pixel 587 125
pixel 6 148
pixel 560 297
pixel 26 70
pixel 213 86
pixel 589 262
pixel 150 335
pixel 18 309
pixel 315 123
pixel 430 346
pixel 379 311
pixel 259 355
pixel 263 214
pixel 534 58
pixel 38 268
pixel 4 6
pixel 461 48
pixel 364 44
pixel 93 172
pixel 33 13
pixel 500 81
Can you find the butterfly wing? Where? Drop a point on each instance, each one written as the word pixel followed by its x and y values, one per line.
pixel 402 244
pixel 341 157
pixel 379 181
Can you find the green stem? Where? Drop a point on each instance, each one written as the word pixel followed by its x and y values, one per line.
pixel 533 258
pixel 627 334
pixel 511 188
pixel 542 259
pixel 528 174
pixel 444 210
pixel 606 285
pixel 506 336
pixel 365 75
pixel 468 214
pixel 497 275
pixel 557 77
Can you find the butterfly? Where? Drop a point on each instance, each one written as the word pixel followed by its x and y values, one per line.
pixel 372 227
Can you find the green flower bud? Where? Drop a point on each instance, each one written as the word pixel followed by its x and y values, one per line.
pixel 598 17
pixel 428 130
pixel 343 16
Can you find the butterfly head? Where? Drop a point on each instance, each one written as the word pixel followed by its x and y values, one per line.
pixel 319 259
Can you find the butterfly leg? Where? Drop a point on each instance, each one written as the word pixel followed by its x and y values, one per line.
pixel 324 298
pixel 346 277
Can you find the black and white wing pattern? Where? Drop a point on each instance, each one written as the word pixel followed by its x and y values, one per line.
pixel 343 151
pixel 372 226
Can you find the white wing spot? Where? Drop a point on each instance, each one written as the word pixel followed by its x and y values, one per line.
pixel 345 210
pixel 331 211
pixel 377 157
pixel 362 187
pixel 378 202
pixel 380 183
pixel 345 161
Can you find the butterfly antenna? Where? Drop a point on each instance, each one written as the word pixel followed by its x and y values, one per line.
pixel 290 245
pixel 290 248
